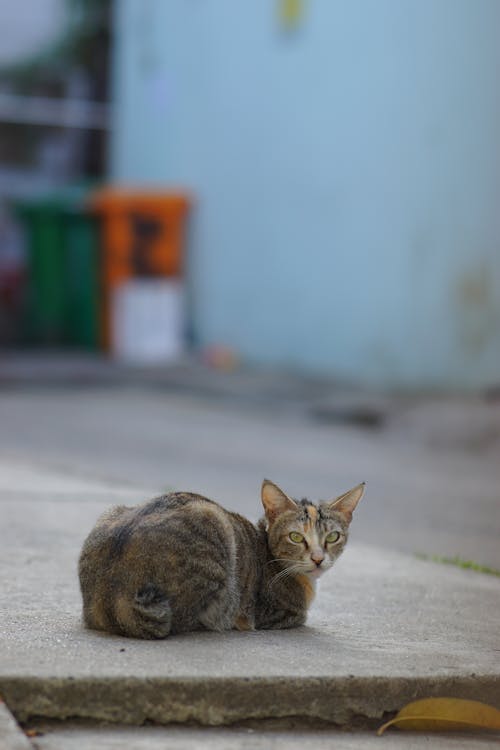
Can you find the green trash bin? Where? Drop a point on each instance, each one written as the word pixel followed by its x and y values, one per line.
pixel 62 248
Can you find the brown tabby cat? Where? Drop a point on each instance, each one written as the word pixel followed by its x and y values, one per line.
pixel 181 562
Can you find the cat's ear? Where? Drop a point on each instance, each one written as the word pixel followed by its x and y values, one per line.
pixel 346 503
pixel 275 501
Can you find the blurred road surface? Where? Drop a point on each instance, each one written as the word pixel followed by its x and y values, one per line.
pixel 424 493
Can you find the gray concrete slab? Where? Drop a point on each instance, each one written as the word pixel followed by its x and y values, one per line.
pixel 386 628
pixel 11 735
pixel 159 738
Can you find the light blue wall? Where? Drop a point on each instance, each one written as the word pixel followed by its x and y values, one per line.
pixel 347 177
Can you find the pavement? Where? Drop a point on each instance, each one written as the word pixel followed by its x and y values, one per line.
pixel 386 627
pixel 162 738
pixel 431 464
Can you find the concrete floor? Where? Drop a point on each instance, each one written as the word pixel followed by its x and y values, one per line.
pixel 385 629
pixel 69 450
pixel 433 481
pixel 159 738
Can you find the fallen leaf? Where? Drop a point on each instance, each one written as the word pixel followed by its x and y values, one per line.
pixel 445 715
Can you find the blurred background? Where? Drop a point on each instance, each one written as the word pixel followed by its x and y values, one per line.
pixel 249 238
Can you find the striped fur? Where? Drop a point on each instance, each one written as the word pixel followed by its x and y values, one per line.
pixel 181 562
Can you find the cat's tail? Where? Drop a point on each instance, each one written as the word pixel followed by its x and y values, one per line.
pixel 149 615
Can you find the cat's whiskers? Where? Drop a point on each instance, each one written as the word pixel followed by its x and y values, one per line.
pixel 287 572
pixel 281 559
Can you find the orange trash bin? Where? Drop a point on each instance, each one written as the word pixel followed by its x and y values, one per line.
pixel 142 236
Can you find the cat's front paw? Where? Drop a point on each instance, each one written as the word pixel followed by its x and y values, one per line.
pixel 243 622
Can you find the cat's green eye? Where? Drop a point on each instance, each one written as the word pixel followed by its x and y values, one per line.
pixel 296 537
pixel 332 537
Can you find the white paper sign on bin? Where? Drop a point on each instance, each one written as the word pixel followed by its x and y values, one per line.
pixel 147 320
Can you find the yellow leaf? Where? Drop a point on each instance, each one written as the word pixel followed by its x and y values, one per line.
pixel 445 715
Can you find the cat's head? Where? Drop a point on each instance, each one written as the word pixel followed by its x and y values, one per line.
pixel 305 537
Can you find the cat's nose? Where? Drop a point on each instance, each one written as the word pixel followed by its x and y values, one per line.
pixel 317 557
